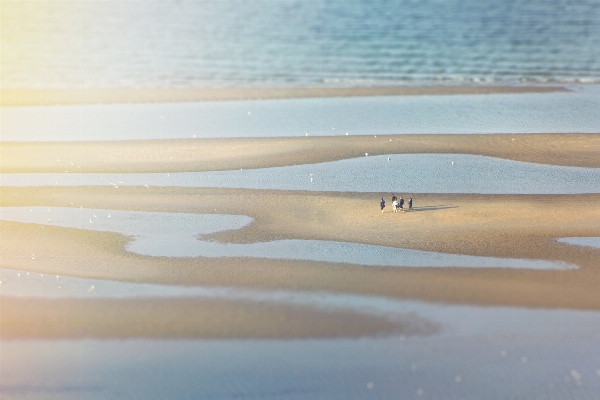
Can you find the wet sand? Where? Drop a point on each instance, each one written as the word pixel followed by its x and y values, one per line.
pixel 515 226
pixel 35 97
pixel 185 318
pixel 184 155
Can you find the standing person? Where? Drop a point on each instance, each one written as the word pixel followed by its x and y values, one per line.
pixel 395 205
pixel 410 204
pixel 401 204
pixel 382 204
pixel 394 198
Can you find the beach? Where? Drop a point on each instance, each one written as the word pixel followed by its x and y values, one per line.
pixel 188 155
pixel 498 226
pixel 190 200
pixel 506 226
pixel 495 225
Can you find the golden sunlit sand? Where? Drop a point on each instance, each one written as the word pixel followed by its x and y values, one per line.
pixel 580 150
pixel 513 226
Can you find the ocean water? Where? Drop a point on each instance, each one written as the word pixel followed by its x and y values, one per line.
pixel 481 352
pixel 210 43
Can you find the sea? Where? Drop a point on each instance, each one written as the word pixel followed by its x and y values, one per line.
pixel 478 352
pixel 298 43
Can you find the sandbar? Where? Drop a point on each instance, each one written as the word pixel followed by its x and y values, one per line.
pixel 514 226
pixel 38 97
pixel 188 155
pixel 188 318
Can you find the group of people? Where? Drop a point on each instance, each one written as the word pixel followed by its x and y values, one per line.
pixel 397 204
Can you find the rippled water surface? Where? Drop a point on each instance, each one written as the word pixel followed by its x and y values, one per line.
pixel 267 42
pixel 404 173
pixel 558 112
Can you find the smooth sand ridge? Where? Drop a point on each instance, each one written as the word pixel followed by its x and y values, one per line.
pixel 187 155
pixel 514 226
pixel 26 318
pixel 34 97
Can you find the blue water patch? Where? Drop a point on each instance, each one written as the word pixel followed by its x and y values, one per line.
pixel 582 241
pixel 403 173
pixel 176 235
pixel 560 112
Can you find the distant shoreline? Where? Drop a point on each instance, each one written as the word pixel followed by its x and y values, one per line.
pixel 45 97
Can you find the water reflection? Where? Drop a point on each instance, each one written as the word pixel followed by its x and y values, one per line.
pixel 561 112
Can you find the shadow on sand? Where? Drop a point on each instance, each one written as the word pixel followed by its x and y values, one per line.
pixel 431 208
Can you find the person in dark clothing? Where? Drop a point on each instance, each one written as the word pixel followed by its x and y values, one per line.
pixel 401 205
pixel 410 204
pixel 394 198
pixel 382 204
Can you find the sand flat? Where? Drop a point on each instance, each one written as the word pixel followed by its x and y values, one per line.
pixel 515 226
pixel 188 155
pixel 512 226
pixel 186 318
pixel 35 97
